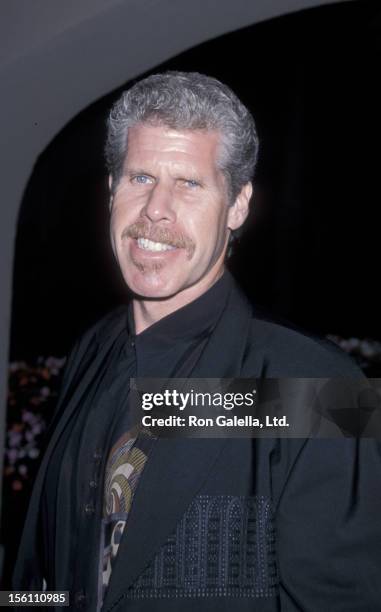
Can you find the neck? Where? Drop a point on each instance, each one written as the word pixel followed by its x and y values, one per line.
pixel 150 311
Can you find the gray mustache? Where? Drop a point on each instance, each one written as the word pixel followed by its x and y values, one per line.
pixel 157 233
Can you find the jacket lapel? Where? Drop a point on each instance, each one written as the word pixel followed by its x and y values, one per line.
pixel 177 468
pixel 172 477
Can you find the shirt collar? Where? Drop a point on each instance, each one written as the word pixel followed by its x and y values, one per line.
pixel 188 322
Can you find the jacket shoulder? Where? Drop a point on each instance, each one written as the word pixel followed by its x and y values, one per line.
pixel 295 353
pixel 88 344
pixel 108 325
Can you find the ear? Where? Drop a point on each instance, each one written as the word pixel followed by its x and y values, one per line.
pixel 240 209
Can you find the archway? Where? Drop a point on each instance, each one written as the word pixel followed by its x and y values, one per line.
pixel 285 168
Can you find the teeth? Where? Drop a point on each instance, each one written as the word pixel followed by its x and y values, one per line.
pixel 149 245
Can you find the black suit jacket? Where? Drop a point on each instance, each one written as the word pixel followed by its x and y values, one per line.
pixel 235 524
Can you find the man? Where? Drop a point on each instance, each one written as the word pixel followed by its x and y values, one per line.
pixel 124 521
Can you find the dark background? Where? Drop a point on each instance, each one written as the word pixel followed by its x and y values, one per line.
pixel 311 249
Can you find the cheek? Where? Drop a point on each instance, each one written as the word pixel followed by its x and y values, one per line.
pixel 117 220
pixel 113 227
pixel 209 238
pixel 216 226
pixel 116 227
pixel 113 239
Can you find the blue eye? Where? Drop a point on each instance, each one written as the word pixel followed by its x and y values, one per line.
pixel 192 183
pixel 141 179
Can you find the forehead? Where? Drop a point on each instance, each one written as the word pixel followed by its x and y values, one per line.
pixel 159 141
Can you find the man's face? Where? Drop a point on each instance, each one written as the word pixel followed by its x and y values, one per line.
pixel 170 216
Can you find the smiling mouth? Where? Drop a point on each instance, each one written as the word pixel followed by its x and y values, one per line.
pixel 154 247
pixel 155 239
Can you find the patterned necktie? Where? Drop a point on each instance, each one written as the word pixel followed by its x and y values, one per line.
pixel 124 467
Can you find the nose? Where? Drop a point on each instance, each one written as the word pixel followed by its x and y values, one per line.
pixel 159 205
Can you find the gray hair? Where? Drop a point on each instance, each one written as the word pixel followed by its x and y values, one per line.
pixel 186 101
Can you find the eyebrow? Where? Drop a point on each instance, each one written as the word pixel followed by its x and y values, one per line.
pixel 135 171
pixel 191 177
